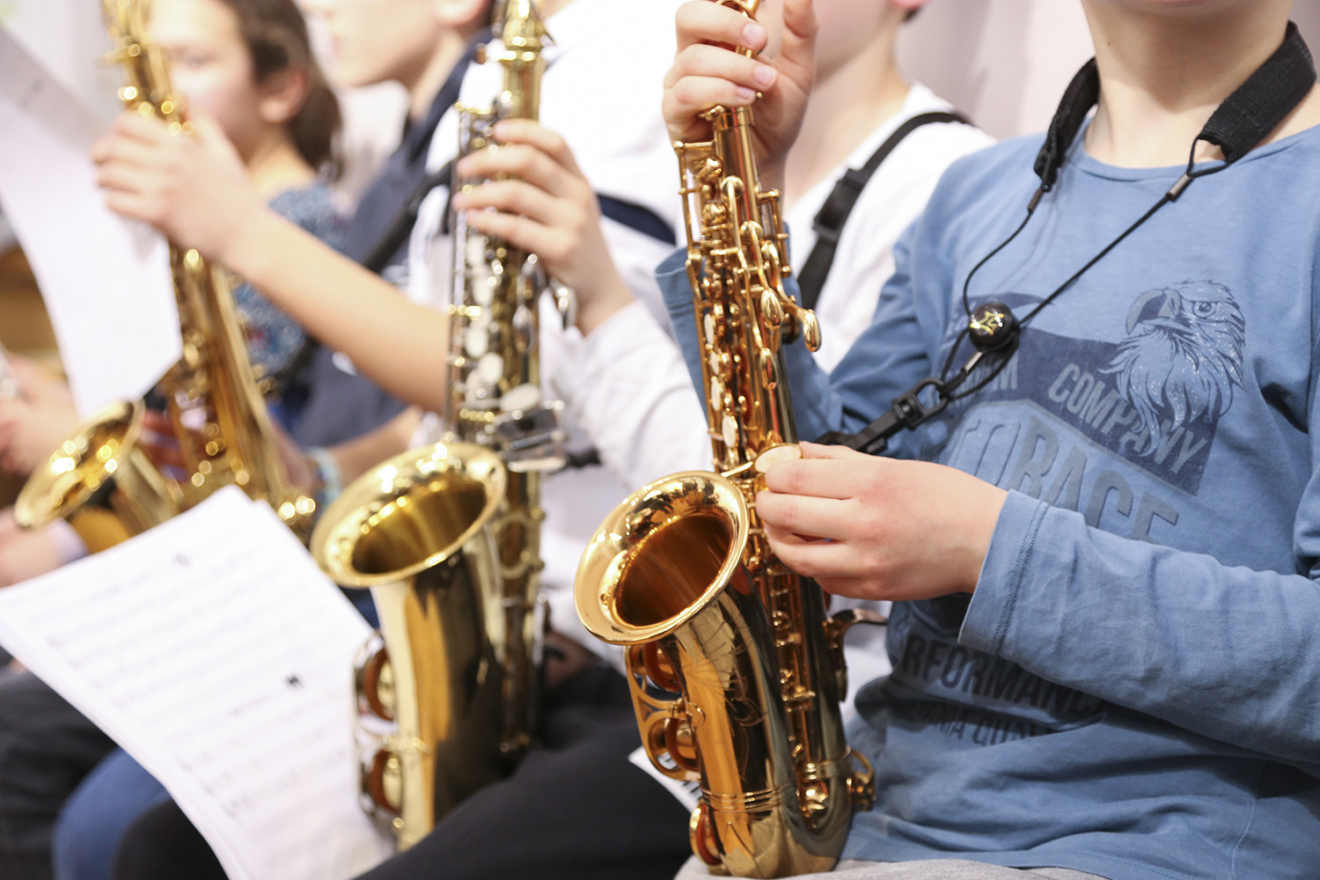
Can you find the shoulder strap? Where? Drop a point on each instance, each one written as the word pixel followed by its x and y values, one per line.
pixel 638 218
pixel 843 198
pixel 396 234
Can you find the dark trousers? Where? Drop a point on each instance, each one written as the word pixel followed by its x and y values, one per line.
pixel 575 809
pixel 46 748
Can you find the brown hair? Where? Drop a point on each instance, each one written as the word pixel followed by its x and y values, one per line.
pixel 276 36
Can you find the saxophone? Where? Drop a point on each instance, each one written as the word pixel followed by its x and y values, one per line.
pixel 100 477
pixel 448 536
pixel 682 574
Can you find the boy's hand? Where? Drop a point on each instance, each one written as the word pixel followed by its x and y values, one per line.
pixel 876 528
pixel 707 71
pixel 546 206
pixel 194 187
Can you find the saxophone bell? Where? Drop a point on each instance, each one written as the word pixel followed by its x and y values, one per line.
pixel 101 481
pixel 448 537
pixel 416 530
pixel 667 576
pixel 212 398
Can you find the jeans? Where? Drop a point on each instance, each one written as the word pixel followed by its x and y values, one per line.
pixel 46 749
pixel 575 809
pixel 94 820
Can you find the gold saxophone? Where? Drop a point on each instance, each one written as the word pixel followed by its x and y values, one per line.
pixel 682 574
pixel 212 397
pixel 448 536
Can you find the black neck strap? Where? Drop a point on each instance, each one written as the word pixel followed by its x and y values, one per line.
pixel 1238 125
pixel 838 206
pixel 1246 117
pixel 1082 94
pixel 388 246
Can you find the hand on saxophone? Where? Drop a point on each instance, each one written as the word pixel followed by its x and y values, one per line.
pixel 32 425
pixel 879 528
pixel 707 71
pixel 537 199
pixel 193 187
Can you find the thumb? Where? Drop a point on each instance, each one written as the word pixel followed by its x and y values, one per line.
pixel 797 52
pixel 205 128
pixel 212 136
pixel 820 450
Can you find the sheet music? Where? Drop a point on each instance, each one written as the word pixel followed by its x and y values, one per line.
pixel 219 656
pixel 106 281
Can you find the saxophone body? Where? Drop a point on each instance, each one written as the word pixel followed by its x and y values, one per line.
pixel 448 536
pixel 212 397
pixel 736 672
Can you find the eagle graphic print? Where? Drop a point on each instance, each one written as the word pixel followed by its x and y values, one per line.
pixel 1153 398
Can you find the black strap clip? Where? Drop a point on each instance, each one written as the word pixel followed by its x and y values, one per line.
pixel 910 410
pixel 907 412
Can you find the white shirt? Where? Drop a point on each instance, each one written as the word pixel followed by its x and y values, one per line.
pixel 892 199
pixel 601 92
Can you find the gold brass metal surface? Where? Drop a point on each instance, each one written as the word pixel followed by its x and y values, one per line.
pixel 101 465
pixel 418 530
pixel 449 701
pixel 213 402
pixel 735 670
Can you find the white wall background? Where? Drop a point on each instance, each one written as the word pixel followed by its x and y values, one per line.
pixel 1007 62
pixel 69 37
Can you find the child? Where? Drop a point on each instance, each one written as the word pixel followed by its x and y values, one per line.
pixel 248 64
pixel 423 47
pixel 415 43
pixel 1104 655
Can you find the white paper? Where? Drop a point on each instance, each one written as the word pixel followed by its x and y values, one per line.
pixel 219 656
pixel 106 281
pixel 686 792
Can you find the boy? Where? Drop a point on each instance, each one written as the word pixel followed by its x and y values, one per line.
pixel 1121 684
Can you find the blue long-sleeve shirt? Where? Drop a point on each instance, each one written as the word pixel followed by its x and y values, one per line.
pixel 1134 688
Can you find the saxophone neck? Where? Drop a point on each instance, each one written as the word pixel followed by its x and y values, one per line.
pixel 145 65
pixel 522 30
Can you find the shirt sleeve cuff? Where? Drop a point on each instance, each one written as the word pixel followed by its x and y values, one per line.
pixel 1002 574
pixel 672 277
pixel 618 334
pixel 602 349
